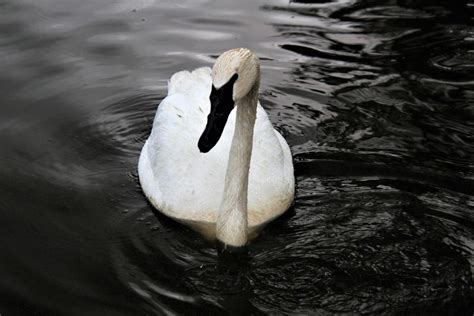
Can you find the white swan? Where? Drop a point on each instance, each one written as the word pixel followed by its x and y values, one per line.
pixel 213 160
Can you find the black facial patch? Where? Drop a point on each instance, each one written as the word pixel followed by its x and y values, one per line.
pixel 222 104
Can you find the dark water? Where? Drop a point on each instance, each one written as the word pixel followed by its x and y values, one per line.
pixel 376 99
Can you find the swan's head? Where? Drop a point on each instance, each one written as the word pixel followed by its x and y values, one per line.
pixel 235 77
pixel 239 68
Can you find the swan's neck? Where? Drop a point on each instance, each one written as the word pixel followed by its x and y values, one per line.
pixel 232 225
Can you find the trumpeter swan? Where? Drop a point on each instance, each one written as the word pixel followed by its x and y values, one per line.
pixel 213 160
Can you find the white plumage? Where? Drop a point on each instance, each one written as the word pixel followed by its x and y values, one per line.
pixel 188 185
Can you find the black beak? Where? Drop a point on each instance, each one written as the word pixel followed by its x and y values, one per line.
pixel 222 104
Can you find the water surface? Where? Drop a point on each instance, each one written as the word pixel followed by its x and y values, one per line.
pixel 375 98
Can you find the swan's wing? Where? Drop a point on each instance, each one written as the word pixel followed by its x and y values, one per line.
pixel 182 115
pixel 189 182
pixel 271 180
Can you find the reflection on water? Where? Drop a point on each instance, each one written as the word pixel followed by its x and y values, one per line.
pixel 375 99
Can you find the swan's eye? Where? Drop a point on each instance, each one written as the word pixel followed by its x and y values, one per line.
pixel 213 91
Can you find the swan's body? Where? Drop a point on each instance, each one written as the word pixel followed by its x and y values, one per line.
pixel 192 187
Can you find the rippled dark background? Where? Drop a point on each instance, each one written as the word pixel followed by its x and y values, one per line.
pixel 376 99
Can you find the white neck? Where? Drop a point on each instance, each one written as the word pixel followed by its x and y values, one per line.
pixel 231 226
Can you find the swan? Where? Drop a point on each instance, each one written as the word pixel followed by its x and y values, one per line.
pixel 213 160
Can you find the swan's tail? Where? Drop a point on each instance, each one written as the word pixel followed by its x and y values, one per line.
pixel 195 84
